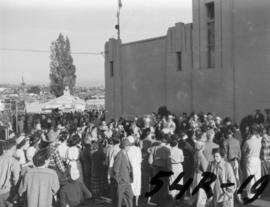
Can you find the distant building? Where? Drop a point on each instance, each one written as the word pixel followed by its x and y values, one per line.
pixel 96 101
pixel 218 63
pixel 98 96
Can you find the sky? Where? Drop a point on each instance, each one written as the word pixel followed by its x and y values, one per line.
pixel 34 24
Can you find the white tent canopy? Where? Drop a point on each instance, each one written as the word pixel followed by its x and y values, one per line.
pixel 66 102
pixel 33 107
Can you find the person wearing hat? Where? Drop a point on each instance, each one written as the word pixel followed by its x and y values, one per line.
pixel 227 121
pixel 135 157
pixel 218 120
pixel 169 125
pixel 251 155
pixel 123 174
pixel 103 126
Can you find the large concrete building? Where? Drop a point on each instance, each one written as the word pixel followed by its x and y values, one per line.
pixel 218 63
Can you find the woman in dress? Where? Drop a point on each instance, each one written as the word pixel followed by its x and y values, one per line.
pixel 98 179
pixel 222 196
pixel 135 157
pixel 73 155
pixel 177 158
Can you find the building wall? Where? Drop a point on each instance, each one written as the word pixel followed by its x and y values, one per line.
pixel 113 98
pixel 236 86
pixel 143 65
pixel 178 88
pixel 213 88
pixel 147 76
pixel 252 55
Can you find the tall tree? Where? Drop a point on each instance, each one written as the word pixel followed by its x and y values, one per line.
pixel 34 89
pixel 62 70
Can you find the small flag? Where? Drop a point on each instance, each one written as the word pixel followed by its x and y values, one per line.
pixel 120 3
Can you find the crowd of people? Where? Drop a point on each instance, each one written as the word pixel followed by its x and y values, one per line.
pixel 72 159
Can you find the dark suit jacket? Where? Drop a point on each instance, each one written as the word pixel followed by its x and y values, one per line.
pixel 121 168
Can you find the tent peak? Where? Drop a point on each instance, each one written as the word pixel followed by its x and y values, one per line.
pixel 66 91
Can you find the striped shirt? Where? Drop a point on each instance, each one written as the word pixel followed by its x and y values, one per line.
pixel 55 159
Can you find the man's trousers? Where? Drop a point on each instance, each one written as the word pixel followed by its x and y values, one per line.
pixel 124 194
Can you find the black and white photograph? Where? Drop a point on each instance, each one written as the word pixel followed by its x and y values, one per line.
pixel 134 103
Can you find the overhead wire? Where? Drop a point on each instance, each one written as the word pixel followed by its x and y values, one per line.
pixel 46 51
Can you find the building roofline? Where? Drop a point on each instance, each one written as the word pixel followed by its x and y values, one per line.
pixel 144 40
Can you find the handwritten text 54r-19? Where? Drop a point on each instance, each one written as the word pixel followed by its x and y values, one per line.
pixel 207 179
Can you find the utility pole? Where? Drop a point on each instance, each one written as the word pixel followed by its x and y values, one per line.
pixel 16 114
pixel 117 27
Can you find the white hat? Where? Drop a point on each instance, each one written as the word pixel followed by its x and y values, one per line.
pixel 185 137
pixel 60 127
pixel 218 119
pixel 170 116
pixel 131 139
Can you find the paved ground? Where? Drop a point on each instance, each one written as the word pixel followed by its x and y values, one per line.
pixel 265 202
